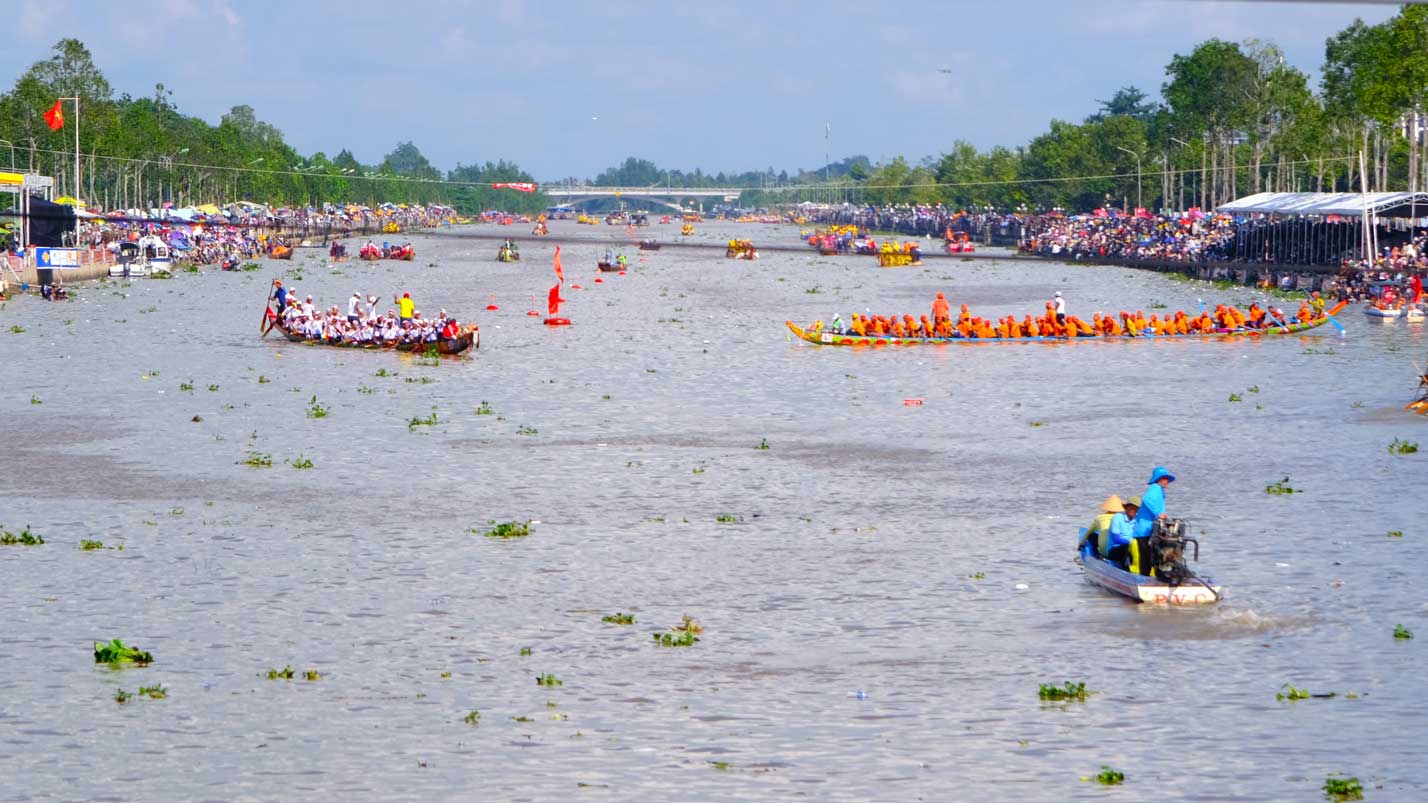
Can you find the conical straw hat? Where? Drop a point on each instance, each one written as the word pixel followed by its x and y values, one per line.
pixel 1113 504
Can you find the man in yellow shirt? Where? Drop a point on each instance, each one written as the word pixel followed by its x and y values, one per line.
pixel 405 307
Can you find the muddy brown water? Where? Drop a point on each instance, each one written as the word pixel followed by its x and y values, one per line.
pixel 850 564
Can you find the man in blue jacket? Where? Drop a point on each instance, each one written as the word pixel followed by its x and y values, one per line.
pixel 1152 502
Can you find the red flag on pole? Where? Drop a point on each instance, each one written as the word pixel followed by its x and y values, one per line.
pixel 520 186
pixel 559 271
pixel 555 300
pixel 54 118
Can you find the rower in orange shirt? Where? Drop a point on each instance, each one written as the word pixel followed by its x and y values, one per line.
pixel 1028 326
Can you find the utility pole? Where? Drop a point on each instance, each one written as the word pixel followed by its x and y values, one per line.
pixel 1138 202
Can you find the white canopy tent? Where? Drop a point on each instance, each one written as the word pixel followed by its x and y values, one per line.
pixel 1345 204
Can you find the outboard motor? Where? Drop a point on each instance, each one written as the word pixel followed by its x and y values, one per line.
pixel 1167 551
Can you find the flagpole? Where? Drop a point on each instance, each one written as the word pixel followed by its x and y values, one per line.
pixel 76 186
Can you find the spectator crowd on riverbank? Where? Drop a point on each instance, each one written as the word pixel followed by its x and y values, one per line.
pixel 243 231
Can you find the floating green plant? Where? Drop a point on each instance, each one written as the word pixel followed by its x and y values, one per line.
pixel 525 652
pixel 16 329
pixel 1066 691
pixel 1235 397
pixel 1038 423
pixel 300 462
pixel 814 290
pixel 619 618
pixel 35 400
pixel 683 638
pixel 1109 776
pixel 1358 405
pixel 763 444
pixel 1254 388
pixel 507 529
pixel 121 696
pixel 978 576
pixel 522 719
pixel 419 380
pixel 366 390
pixel 175 511
pixel 472 718
pixel 263 380
pixel 116 653
pixel 1343 789
pixel 1281 487
pixel 548 680
pixel 605 397
pixel 154 692
pixel 1291 692
pixel 252 266
pixel 1402 447
pixel 485 409
pixel 315 408
pixel 726 518
pixel 384 372
pixel 526 430
pixel 1399 631
pixel 88 545
pixel 719 765
pixel 24 538
pixel 258 459
pixel 188 386
pixel 212 388
pixel 1319 351
pixel 418 421
pixel 1395 533
pixel 286 673
pixel 311 675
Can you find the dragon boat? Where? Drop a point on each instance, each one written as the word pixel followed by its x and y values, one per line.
pixel 469 338
pixel 820 337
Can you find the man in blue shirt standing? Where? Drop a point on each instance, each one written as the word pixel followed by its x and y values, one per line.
pixel 1152 502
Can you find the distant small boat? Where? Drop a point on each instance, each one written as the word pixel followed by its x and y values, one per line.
pixel 1386 314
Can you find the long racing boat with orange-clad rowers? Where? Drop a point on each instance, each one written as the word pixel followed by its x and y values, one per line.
pixel 905 330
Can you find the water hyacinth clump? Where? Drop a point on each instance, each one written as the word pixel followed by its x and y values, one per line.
pixel 115 652
pixel 549 680
pixel 24 538
pixel 1281 487
pixel 619 619
pixel 1066 691
pixel 1109 776
pixel 1343 789
pixel 507 529
pixel 1401 632
pixel 1402 447
pixel 286 673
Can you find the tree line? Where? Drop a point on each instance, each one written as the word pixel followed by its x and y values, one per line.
pixel 1231 119
pixel 142 152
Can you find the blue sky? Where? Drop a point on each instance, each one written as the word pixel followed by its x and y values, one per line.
pixel 733 85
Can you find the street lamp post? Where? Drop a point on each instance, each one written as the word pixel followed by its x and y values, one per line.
pixel 1138 203
pixel 1183 144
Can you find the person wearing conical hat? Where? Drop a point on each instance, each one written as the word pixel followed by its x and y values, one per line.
pixel 1102 523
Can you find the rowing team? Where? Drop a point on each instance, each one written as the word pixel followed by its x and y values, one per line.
pixel 361 326
pixel 1056 323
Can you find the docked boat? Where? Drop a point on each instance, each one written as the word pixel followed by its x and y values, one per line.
pixel 1177 585
pixel 469 338
pixel 818 336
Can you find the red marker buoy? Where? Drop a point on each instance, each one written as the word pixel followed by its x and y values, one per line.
pixel 557 321
pixel 599 280
pixel 533 314
pixel 492 305
pixel 576 287
pixel 621 273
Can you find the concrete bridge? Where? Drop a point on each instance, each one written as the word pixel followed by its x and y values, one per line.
pixel 664 196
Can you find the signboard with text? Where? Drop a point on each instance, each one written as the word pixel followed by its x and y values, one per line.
pixel 58 258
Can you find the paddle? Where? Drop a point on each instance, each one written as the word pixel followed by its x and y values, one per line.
pixel 1335 322
pixel 267 323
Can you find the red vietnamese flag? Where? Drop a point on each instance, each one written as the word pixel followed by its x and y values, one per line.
pixel 559 271
pixel 520 186
pixel 54 118
pixel 555 299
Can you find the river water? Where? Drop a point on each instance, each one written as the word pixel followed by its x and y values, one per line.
pixel 895 583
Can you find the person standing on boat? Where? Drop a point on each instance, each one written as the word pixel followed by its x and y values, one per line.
pixel 354 308
pixel 1060 308
pixel 1152 505
pixel 280 294
pixel 405 307
pixel 941 310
